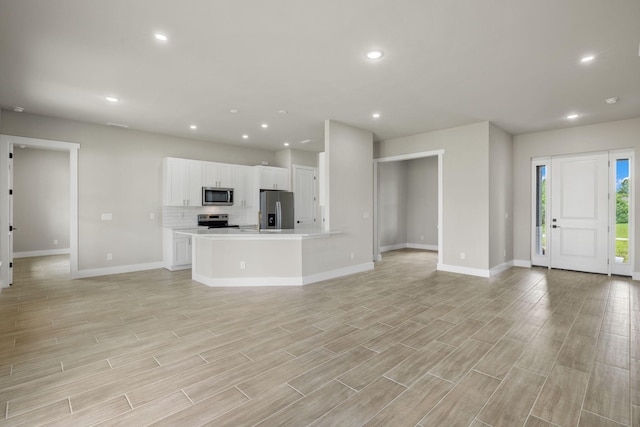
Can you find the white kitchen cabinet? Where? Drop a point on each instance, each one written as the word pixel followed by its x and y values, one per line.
pixel 182 182
pixel 242 184
pixel 217 174
pixel 272 178
pixel 176 250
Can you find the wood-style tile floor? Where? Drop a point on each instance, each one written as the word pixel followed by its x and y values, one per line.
pixel 402 345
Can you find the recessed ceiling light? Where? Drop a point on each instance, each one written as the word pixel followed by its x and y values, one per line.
pixel 118 125
pixel 286 144
pixel 572 116
pixel 376 115
pixel 161 37
pixel 245 136
pixel 587 58
pixel 194 127
pixel 611 100
pixel 305 141
pixel 264 125
pixel 282 111
pixel 18 109
pixel 111 98
pixel 233 110
pixel 374 54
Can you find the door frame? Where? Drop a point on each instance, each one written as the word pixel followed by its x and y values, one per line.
pixel 6 142
pixel 545 260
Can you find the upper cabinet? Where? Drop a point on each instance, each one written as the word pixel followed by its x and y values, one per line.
pixel 182 182
pixel 242 177
pixel 217 174
pixel 271 178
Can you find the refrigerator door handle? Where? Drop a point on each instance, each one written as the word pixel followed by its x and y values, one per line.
pixel 278 215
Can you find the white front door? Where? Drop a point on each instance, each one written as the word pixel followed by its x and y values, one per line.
pixel 579 213
pixel 304 181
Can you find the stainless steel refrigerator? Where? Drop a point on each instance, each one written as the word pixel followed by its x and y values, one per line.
pixel 276 209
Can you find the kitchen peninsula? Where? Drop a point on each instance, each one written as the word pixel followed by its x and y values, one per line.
pixel 248 257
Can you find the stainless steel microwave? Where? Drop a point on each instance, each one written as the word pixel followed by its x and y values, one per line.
pixel 215 196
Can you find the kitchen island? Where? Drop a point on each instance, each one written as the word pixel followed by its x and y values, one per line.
pixel 246 257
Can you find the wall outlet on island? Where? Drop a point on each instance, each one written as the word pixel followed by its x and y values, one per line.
pixel 462 255
pixel 243 265
pixel 109 256
pixel 55 242
pixel 352 255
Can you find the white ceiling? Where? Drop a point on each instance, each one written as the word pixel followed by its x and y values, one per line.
pixel 447 63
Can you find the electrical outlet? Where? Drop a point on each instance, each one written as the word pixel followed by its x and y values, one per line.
pixel 243 265
pixel 55 242
pixel 462 255
pixel 106 217
pixel 352 255
pixel 152 216
pixel 421 237
pixel 109 256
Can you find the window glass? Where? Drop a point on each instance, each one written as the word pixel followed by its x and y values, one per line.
pixel 541 209
pixel 622 211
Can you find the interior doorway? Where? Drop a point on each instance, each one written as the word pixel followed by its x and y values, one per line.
pixel 582 212
pixel 7 144
pixel 40 202
pixel 438 154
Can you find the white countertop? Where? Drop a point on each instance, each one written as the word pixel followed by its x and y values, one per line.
pixel 252 233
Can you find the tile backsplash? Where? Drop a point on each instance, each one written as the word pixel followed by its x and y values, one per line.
pixel 187 216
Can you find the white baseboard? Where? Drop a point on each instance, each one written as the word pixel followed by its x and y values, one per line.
pixel 521 263
pixel 81 274
pixel 464 270
pixel 393 247
pixel 500 268
pixel 176 267
pixel 281 281
pixel 408 245
pixel 479 272
pixel 332 274
pixel 421 246
pixel 46 252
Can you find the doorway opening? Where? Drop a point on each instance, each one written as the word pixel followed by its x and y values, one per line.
pixel 7 144
pixel 380 235
pixel 582 215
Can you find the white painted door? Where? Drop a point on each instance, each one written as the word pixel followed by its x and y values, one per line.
pixel 305 195
pixel 579 213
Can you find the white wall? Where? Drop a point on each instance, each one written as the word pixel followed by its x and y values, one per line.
pixel 120 172
pixel 624 134
pixel 41 201
pixel 392 204
pixel 465 190
pixel 501 197
pixel 422 202
pixel 349 159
